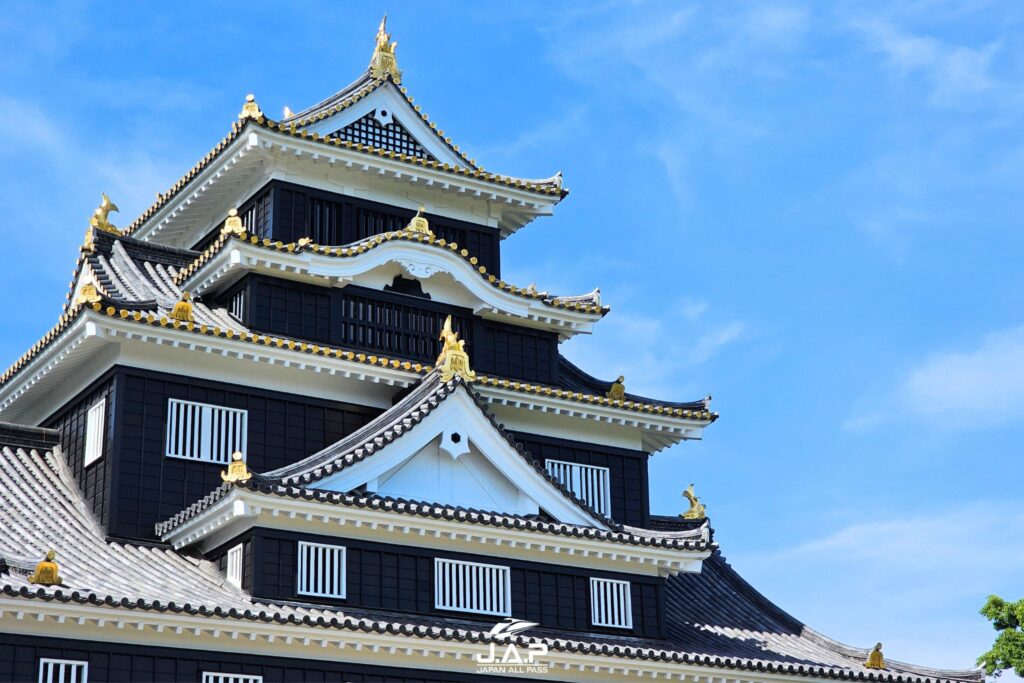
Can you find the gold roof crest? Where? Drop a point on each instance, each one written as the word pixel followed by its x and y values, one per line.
pixel 383 63
pixel 47 572
pixel 419 224
pixel 453 359
pixel 237 470
pixel 697 509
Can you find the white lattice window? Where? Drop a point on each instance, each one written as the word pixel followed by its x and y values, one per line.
pixel 610 603
pixel 237 304
pixel 214 677
pixel 95 423
pixel 587 482
pixel 472 587
pixel 199 431
pixel 321 570
pixel 63 671
pixel 235 562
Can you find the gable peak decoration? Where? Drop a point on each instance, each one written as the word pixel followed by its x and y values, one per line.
pixel 250 110
pixel 453 359
pixel 419 224
pixel 237 470
pixel 383 63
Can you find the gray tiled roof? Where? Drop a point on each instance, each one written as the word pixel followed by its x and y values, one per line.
pixel 714 619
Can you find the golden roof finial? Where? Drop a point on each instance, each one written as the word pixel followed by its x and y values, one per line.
pixel 183 309
pixel 419 224
pixel 233 224
pixel 250 110
pixel 88 295
pixel 46 573
pixel 237 471
pixel 453 359
pixel 100 217
pixel 288 113
pixel 697 509
pixel 383 63
pixel 875 658
pixel 617 391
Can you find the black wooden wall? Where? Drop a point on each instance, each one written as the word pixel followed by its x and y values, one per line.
pixel 627 471
pixel 394 324
pixel 382 576
pixel 122 663
pixel 287 212
pixel 70 421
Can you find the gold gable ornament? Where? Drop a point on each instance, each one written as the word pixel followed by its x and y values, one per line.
pixel 233 224
pixel 875 658
pixel 183 309
pixel 237 470
pixel 100 220
pixel 419 224
pixel 453 359
pixel 697 509
pixel 250 110
pixel 617 391
pixel 382 63
pixel 47 571
pixel 88 295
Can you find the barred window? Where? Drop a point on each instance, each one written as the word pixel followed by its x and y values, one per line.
pixel 589 483
pixel 214 677
pixel 95 422
pixel 610 603
pixel 199 431
pixel 472 587
pixel 235 562
pixel 63 671
pixel 321 570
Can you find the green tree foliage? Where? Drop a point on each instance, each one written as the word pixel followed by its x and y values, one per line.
pixel 1008 650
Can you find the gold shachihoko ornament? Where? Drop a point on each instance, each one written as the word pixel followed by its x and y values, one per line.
pixel 453 359
pixel 383 63
pixel 100 220
pixel 46 573
pixel 697 509
pixel 875 658
pixel 237 470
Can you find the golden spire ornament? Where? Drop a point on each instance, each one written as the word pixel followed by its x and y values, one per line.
pixel 875 658
pixel 183 309
pixel 46 573
pixel 697 509
pixel 419 224
pixel 453 359
pixel 237 470
pixel 617 391
pixel 382 63
pixel 250 110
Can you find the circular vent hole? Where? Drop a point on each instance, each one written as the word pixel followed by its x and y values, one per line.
pixel 456 437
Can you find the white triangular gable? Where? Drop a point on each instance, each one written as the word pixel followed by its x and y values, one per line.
pixel 389 104
pixel 455 456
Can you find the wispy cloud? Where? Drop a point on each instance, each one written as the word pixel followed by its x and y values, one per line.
pixel 979 387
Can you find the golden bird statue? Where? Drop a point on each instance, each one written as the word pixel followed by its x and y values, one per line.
pixel 101 216
pixel 697 509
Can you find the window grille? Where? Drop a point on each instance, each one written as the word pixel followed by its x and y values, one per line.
pixel 214 677
pixel 63 671
pixel 610 603
pixel 587 482
pixel 95 421
pixel 321 570
pixel 236 557
pixel 393 137
pixel 472 587
pixel 408 331
pixel 256 218
pixel 198 431
pixel 236 306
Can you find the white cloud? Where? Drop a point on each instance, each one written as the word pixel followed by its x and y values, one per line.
pixel 981 387
pixel 914 582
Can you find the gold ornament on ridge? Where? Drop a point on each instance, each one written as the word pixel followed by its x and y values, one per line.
pixel 697 509
pixel 183 309
pixel 250 110
pixel 875 658
pixel 617 391
pixel 383 63
pixel 233 224
pixel 419 224
pixel 237 470
pixel 453 359
pixel 46 573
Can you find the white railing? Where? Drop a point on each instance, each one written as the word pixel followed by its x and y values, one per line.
pixel 95 423
pixel 199 431
pixel 235 562
pixel 589 483
pixel 472 587
pixel 63 671
pixel 610 603
pixel 214 677
pixel 236 306
pixel 321 570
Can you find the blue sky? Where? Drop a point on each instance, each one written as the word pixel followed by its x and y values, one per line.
pixel 811 211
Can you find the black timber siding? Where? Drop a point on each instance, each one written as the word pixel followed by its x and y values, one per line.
pixel 381 576
pixel 124 663
pixel 70 422
pixel 288 212
pixel 397 325
pixel 150 487
pixel 627 472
